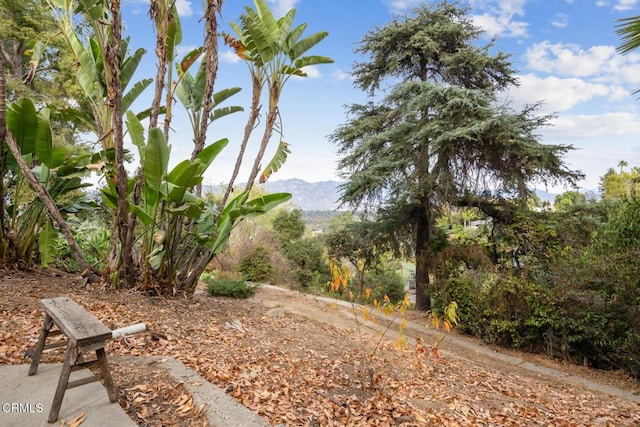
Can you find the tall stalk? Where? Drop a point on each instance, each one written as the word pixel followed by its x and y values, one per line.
pixel 257 83
pixel 3 132
pixel 211 72
pixel 113 60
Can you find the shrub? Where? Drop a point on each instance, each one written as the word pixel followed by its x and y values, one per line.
pixel 464 292
pixel 385 282
pixel 520 314
pixel 307 261
pixel 257 266
pixel 224 287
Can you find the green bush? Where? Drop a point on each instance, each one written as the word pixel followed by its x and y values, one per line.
pixel 257 266
pixel 464 292
pixel 576 296
pixel 224 287
pixel 385 282
pixel 307 261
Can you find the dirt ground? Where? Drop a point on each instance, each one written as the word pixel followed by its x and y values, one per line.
pixel 308 366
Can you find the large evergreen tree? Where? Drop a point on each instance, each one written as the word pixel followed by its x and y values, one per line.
pixel 433 131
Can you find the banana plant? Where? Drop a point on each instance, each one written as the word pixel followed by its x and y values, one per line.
pixel 52 173
pixel 276 48
pixel 105 70
pixel 173 260
pixel 91 72
pixel 189 90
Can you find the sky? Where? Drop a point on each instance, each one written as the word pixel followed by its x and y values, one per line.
pixel 564 52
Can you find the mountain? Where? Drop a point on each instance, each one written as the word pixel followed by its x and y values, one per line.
pixel 323 195
pixel 308 196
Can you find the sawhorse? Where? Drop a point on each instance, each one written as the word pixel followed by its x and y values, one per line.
pixel 85 334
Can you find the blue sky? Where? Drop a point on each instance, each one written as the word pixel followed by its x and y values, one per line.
pixel 564 51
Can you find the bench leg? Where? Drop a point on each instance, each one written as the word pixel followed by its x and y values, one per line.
pixel 106 375
pixel 69 361
pixel 47 324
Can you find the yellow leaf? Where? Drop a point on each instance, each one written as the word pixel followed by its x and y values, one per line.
pixel 367 293
pixel 388 310
pixel 365 313
pixel 78 420
pixel 447 326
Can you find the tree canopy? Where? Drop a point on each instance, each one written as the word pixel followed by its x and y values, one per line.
pixel 433 131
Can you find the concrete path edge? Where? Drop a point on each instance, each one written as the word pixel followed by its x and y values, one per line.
pixel 221 409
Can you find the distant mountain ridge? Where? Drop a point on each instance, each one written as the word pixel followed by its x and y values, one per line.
pixel 322 195
pixel 308 196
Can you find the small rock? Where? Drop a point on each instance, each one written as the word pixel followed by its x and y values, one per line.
pixel 234 325
pixel 276 312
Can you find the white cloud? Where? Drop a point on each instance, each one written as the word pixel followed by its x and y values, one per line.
pixel 398 6
pixel 598 63
pixel 338 74
pixel 184 8
pixel 496 17
pixel 557 94
pixel 229 57
pixel 280 7
pixel 570 127
pixel 602 140
pixel 570 59
pixel 625 4
pixel 312 71
pixel 561 21
pixel 500 17
pixel 619 5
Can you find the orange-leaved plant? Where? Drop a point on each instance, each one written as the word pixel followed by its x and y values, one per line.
pixel 340 280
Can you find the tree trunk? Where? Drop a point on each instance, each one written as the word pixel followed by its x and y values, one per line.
pixel 271 120
pixel 3 131
pixel 248 129
pixel 113 53
pixel 423 257
pixel 51 207
pixel 211 72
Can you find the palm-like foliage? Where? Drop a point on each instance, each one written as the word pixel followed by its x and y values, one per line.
pixel 190 92
pixel 629 30
pixel 56 172
pixel 92 74
pixel 274 51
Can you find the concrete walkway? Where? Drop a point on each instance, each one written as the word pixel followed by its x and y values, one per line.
pixel 25 401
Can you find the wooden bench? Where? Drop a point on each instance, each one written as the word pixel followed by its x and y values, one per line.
pixel 85 334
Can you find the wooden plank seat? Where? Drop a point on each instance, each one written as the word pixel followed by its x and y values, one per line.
pixel 85 334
